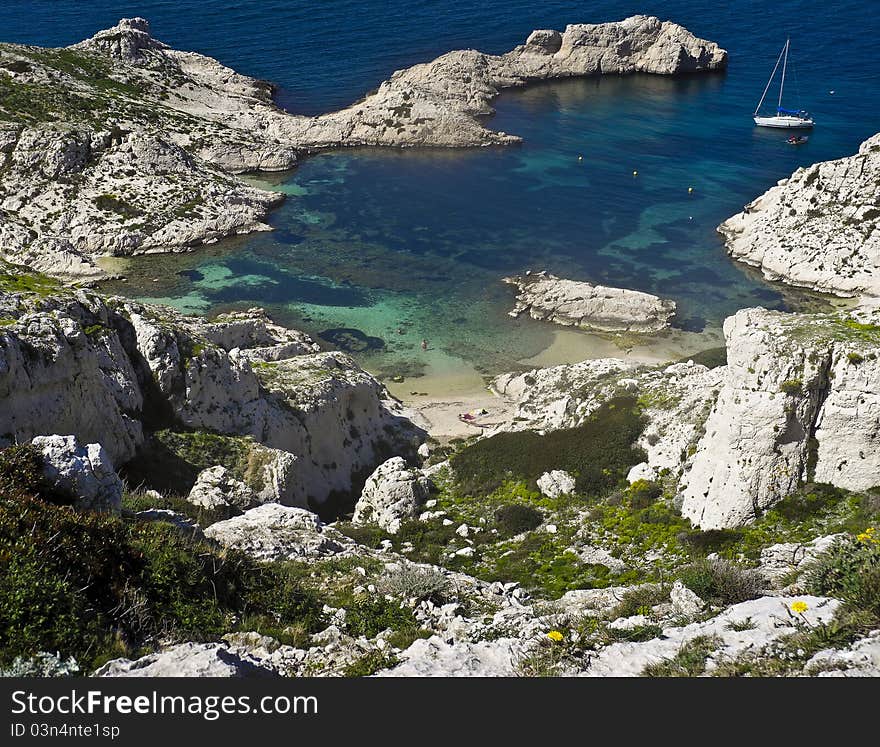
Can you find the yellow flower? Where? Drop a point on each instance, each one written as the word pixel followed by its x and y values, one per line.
pixel 867 535
pixel 799 607
pixel 555 636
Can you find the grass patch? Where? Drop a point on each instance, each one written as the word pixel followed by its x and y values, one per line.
pixel 598 453
pixel 690 661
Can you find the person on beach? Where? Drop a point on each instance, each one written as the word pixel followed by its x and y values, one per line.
pixel 424 344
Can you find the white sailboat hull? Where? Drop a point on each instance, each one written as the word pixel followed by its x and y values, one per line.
pixel 784 123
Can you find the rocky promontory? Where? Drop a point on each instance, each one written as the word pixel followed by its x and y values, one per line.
pixel 120 145
pixel 578 304
pixel 301 423
pixel 819 228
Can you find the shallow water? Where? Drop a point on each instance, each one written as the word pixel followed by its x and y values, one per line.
pixel 405 246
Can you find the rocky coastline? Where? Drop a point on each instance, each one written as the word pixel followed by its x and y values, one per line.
pixel 120 145
pixel 185 497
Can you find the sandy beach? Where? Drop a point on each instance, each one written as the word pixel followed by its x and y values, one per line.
pixel 440 396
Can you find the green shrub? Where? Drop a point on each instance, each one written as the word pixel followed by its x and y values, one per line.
pixel 369 616
pixel 634 601
pixel 599 453
pixel 792 387
pixel 711 540
pixel 369 664
pixel 850 571
pixel 516 518
pixel 94 586
pixel 855 358
pixel 642 493
pixel 722 582
pixel 412 582
pixel 21 474
pixel 711 358
pixel 135 501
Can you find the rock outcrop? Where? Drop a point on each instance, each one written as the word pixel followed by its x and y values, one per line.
pixel 276 532
pixel 392 494
pixel 188 660
pixel 818 229
pixel 800 400
pixel 82 473
pixel 577 304
pixel 152 136
pixel 107 370
pixel 216 488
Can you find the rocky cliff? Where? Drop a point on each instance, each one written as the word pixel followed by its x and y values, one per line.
pixel 121 145
pixel 820 228
pixel 108 371
pixel 800 400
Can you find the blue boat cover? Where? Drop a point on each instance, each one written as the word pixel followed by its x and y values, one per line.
pixel 780 110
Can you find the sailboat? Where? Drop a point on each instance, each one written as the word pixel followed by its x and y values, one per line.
pixel 784 118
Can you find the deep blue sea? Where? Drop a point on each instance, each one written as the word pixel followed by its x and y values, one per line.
pixel 401 246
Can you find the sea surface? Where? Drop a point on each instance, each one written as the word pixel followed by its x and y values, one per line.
pixel 377 249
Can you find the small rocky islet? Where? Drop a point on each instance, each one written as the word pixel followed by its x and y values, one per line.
pixel 711 516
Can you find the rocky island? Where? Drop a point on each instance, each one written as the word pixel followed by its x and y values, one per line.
pixel 120 145
pixel 577 304
pixel 190 497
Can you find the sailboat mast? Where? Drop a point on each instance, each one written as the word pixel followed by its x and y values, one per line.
pixel 784 64
pixel 767 87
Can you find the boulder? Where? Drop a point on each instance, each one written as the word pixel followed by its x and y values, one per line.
pixel 555 483
pixel 82 473
pixel 216 487
pixel 393 493
pixel 275 532
pixel 684 601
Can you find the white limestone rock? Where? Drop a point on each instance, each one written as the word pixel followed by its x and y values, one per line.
pixel 684 601
pixel 434 657
pixel 800 400
pixel 577 304
pixel 84 473
pixel 555 483
pixel 217 488
pixel 187 660
pixel 275 532
pixel 785 558
pixel 861 659
pixel 392 494
pixel 818 229
pixel 769 617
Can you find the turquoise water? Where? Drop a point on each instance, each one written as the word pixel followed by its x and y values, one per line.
pixel 375 250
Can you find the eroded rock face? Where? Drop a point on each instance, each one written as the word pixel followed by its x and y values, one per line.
pixel 819 229
pixel 392 494
pixel 98 368
pixel 799 401
pixel 82 472
pixel 577 304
